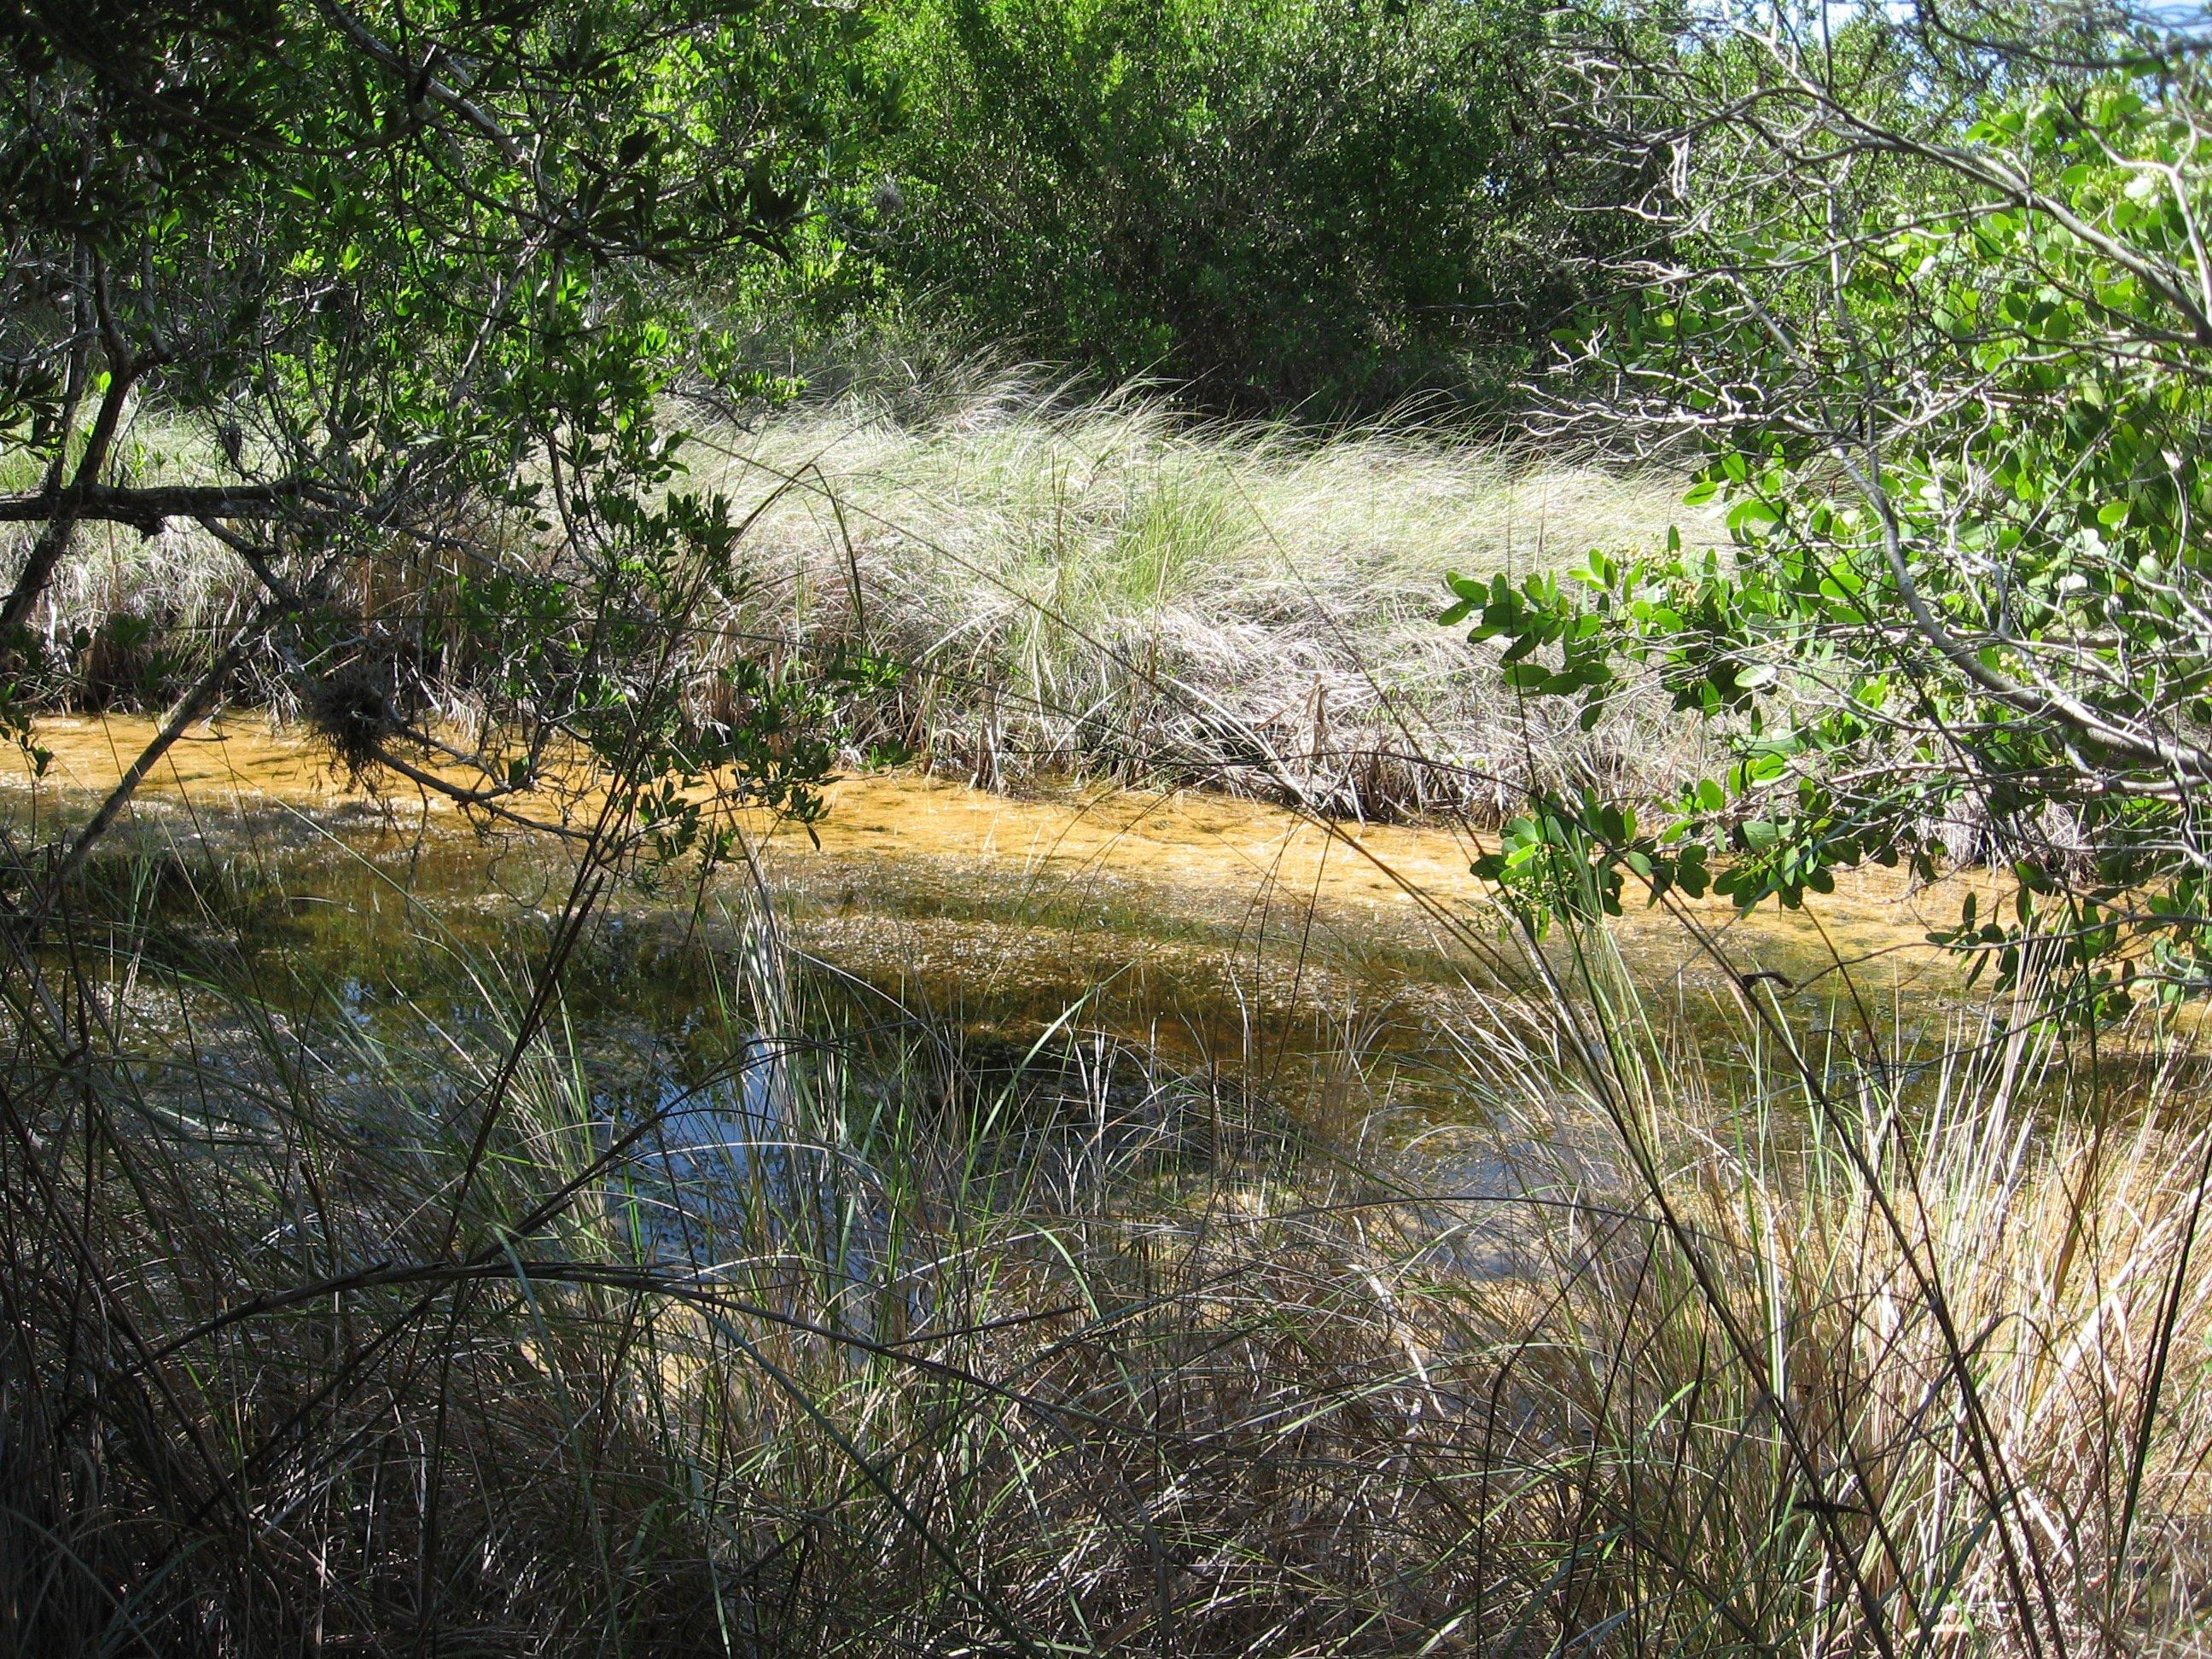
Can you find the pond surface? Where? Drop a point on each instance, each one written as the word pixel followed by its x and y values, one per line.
pixel 1219 935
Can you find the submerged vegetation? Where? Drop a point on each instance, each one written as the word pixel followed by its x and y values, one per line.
pixel 533 1226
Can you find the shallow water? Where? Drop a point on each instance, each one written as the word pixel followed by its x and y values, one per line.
pixel 1217 934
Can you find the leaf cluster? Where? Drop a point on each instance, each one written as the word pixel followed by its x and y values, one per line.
pixel 1968 604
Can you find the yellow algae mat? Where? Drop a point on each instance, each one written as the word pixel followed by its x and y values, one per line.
pixel 1229 851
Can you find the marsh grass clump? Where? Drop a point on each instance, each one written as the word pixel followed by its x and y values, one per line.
pixel 1065 582
pixel 1098 585
pixel 365 1318
pixel 1876 1339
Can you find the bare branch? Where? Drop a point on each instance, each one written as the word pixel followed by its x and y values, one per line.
pixel 147 509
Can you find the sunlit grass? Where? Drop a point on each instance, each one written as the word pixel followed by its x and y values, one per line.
pixel 1096 586
pixel 1101 586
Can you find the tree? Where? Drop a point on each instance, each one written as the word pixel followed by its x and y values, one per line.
pixel 401 271
pixel 1275 202
pixel 1937 305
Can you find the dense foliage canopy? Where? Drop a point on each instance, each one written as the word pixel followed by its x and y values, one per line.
pixel 1329 204
pixel 394 280
pixel 1951 363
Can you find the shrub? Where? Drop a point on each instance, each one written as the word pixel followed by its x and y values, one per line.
pixel 1324 203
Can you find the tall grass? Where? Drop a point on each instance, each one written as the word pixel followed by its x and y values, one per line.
pixel 455 1329
pixel 466 1316
pixel 1093 585
pixel 1102 586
